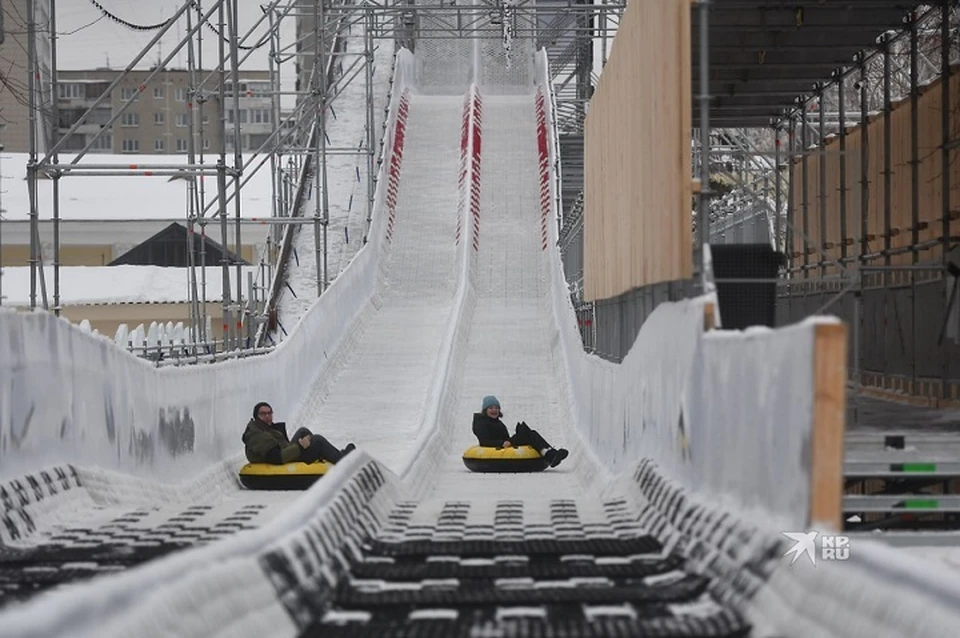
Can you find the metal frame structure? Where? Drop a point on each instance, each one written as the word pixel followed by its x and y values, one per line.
pixel 810 81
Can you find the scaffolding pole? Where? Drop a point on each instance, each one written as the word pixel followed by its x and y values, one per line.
pixel 226 319
pixel 945 143
pixel 703 211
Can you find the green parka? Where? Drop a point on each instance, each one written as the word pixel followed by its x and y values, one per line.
pixel 261 438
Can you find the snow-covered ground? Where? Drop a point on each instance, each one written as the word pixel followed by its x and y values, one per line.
pixel 81 285
pixel 346 182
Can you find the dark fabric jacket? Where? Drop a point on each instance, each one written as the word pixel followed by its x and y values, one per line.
pixel 266 443
pixel 489 431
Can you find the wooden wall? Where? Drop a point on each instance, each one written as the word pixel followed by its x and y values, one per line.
pixel 638 186
pixel 901 223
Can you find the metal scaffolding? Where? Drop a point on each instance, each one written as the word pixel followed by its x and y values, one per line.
pixel 878 275
pixel 297 151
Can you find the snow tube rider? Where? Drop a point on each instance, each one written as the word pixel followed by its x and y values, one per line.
pixel 491 432
pixel 266 442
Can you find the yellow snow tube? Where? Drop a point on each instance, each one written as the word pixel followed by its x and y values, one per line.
pixel 508 459
pixel 288 476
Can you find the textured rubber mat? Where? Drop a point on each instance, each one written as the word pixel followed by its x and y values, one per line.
pixel 549 567
pixel 597 546
pixel 552 623
pixel 77 554
pixel 521 592
pixel 25 573
pixel 570 569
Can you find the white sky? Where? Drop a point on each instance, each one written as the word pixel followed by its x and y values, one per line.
pixel 88 39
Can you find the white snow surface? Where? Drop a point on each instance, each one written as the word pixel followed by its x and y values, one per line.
pixel 132 196
pixel 86 285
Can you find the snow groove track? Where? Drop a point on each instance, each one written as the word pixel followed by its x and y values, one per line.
pixel 378 395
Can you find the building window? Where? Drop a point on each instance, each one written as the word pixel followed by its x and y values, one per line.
pixel 183 119
pixel 158 92
pixel 206 144
pixel 100 115
pixel 181 145
pixel 130 119
pixel 130 146
pixel 127 92
pixel 158 145
pixel 181 94
pixel 206 119
pixel 71 91
pixel 103 143
pixel 243 116
pixel 158 117
pixel 260 116
pixel 258 89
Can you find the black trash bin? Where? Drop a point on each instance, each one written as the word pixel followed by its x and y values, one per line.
pixel 746 304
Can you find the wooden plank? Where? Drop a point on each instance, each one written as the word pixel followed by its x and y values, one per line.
pixel 930 171
pixel 637 136
pixel 829 410
pixel 709 317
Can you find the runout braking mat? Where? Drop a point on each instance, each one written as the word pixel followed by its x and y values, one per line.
pixel 456 576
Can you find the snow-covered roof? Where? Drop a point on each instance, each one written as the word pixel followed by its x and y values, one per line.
pixel 88 285
pixel 125 196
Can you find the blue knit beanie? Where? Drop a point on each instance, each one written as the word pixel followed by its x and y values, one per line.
pixel 489 401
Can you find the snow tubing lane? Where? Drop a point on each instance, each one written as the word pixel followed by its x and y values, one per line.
pixel 289 476
pixel 506 460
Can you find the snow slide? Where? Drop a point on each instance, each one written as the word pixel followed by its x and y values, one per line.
pixel 464 296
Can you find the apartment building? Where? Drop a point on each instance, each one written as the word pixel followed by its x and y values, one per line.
pixel 14 96
pixel 158 120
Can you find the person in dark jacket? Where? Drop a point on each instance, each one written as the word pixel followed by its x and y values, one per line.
pixel 491 432
pixel 266 442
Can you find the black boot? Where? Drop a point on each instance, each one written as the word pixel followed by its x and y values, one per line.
pixel 554 456
pixel 350 448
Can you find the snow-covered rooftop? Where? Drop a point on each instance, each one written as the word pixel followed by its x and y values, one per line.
pixel 87 285
pixel 128 196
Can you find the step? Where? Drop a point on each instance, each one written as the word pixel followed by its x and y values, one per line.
pixel 901 439
pixel 566 566
pixel 518 591
pixel 904 470
pixel 901 503
pixel 549 621
pixel 598 546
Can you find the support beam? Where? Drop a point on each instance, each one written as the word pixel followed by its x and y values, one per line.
pixel 829 414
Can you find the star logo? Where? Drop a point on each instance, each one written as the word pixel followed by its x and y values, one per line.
pixel 803 544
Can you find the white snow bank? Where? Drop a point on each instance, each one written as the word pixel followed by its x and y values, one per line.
pixel 86 285
pixel 133 196
pixel 877 592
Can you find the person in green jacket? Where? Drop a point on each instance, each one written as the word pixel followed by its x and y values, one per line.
pixel 266 442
